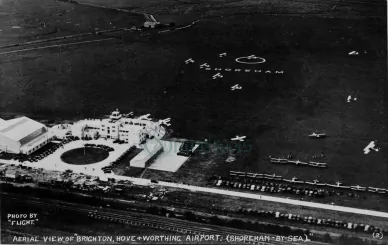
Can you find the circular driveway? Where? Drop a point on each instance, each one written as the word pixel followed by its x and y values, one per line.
pixel 84 156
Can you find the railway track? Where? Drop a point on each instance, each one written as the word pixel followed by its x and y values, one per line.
pixel 155 222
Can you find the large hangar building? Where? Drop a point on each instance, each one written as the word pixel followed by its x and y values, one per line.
pixel 22 135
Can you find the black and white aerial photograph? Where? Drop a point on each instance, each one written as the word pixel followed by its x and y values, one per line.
pixel 194 122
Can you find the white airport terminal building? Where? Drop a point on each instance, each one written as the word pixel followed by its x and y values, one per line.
pixel 117 126
pixel 24 135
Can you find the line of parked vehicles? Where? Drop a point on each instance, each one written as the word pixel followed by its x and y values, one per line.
pixel 251 177
pixel 108 169
pixel 358 227
pixel 104 147
pixel 268 187
pixel 36 158
pixel 274 187
pixel 264 186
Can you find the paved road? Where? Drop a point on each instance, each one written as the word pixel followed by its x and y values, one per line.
pixel 140 181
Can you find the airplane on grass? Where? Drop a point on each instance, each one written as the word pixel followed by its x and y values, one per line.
pixel 353 53
pixel 278 160
pixel 371 146
pixel 339 185
pixel 294 180
pixel 218 75
pixel 297 162
pixel 350 98
pixel 312 183
pixel 252 57
pixel 272 176
pixel 358 188
pixel 378 190
pixel 315 182
pixel 315 135
pixel 235 172
pixel 258 176
pixel 189 61
pixel 318 164
pixel 204 65
pixel 239 138
pixel 237 86
pixel 145 117
pixel 151 21
pixel 251 175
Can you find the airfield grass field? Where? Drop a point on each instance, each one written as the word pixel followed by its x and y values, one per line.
pixel 275 111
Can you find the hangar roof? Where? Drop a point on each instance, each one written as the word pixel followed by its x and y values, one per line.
pixel 18 128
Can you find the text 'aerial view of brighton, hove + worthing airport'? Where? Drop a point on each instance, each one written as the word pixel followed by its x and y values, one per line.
pixel 193 122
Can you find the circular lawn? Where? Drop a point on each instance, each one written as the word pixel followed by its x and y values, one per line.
pixel 83 156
